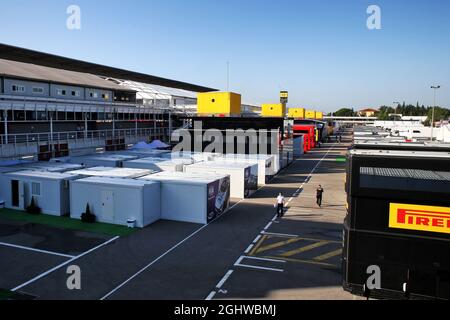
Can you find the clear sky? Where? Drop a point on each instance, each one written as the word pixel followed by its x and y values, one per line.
pixel 321 51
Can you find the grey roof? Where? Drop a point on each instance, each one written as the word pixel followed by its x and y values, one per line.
pixel 54 61
pixel 36 72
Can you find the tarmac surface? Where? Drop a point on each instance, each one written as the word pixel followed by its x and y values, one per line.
pixel 245 254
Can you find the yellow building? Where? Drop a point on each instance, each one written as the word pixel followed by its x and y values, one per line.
pixel 296 113
pixel 219 103
pixel 274 110
pixel 310 114
pixel 319 115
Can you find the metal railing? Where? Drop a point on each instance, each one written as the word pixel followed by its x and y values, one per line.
pixel 81 136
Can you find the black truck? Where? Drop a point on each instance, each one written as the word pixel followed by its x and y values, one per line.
pixel 398 221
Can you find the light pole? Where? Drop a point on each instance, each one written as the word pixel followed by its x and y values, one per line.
pixel 435 89
pixel 395 109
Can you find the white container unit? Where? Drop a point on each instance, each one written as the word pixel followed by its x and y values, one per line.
pixel 112 172
pixel 244 176
pixel 195 156
pixel 103 160
pixel 145 153
pixel 299 148
pixel 266 164
pixel 50 190
pixel 116 201
pixel 195 198
pixel 159 164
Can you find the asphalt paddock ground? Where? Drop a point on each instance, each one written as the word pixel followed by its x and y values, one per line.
pixel 240 255
pixel 28 250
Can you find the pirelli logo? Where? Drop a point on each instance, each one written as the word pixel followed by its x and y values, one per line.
pixel 420 218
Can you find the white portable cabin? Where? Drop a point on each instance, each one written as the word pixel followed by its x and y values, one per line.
pixel 145 153
pixel 116 201
pixel 112 172
pixel 266 164
pixel 103 160
pixel 195 156
pixel 159 164
pixel 49 189
pixel 299 149
pixel 196 198
pixel 244 176
pixel 53 167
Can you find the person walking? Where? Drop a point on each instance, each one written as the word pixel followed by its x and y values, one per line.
pixel 280 205
pixel 319 195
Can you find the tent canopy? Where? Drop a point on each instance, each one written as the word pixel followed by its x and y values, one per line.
pixel 156 144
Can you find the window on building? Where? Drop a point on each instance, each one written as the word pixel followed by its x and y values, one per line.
pixel 35 189
pixel 61 92
pixel 93 95
pixel 75 93
pixel 18 88
pixel 38 90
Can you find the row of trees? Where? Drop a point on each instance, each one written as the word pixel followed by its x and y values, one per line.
pixel 404 109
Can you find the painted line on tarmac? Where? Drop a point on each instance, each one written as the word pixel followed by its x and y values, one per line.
pixel 265 259
pixel 4 244
pixel 224 279
pixel 42 275
pixel 211 296
pixel 281 234
pixel 258 268
pixel 250 247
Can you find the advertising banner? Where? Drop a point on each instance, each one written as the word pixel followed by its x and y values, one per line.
pixel 218 198
pixel 251 180
pixel 419 218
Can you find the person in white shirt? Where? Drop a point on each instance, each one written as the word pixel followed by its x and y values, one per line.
pixel 280 205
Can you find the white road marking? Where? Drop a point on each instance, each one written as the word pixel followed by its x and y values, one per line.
pixel 210 296
pixel 224 279
pixel 250 247
pixel 257 239
pixel 265 259
pixel 36 250
pixel 259 268
pixel 268 225
pixel 281 234
pixel 63 264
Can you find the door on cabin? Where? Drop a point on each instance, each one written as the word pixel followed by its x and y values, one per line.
pixel 108 206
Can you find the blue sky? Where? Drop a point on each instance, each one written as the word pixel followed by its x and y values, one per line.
pixel 321 51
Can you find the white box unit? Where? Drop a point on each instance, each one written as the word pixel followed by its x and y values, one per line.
pixel 244 177
pixel 299 149
pixel 266 164
pixel 159 164
pixel 195 156
pixel 196 198
pixel 145 153
pixel 102 160
pixel 53 167
pixel 112 172
pixel 50 190
pixel 116 201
